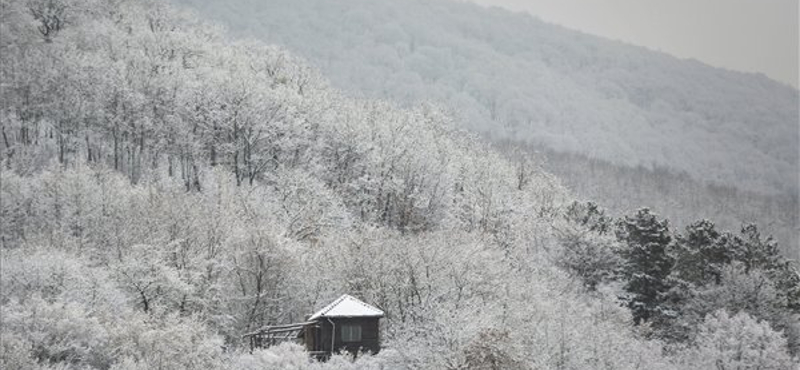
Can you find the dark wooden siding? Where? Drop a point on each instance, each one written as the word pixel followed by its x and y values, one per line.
pixel 370 335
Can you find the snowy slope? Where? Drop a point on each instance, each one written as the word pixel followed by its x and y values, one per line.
pixel 512 76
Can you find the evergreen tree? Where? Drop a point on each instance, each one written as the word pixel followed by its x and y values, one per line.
pixel 646 263
pixel 758 253
pixel 588 250
pixel 754 251
pixel 700 254
pixel 589 215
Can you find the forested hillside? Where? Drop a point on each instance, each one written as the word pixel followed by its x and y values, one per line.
pixel 676 196
pixel 692 141
pixel 511 76
pixel 165 189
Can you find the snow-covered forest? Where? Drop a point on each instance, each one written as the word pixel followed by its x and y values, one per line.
pixel 165 189
pixel 676 196
pixel 512 77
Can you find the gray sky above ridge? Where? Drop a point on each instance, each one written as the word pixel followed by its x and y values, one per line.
pixel 742 35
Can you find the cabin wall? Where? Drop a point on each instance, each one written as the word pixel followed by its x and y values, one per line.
pixel 370 335
pixel 310 333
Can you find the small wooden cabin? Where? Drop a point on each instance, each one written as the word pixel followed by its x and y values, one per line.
pixel 346 324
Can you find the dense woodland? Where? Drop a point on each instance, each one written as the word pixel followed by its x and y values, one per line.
pixel 512 76
pixel 618 124
pixel 675 195
pixel 166 189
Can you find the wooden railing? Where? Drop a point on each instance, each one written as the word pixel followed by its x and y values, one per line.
pixel 276 334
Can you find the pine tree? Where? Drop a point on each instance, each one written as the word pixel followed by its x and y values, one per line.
pixel 588 248
pixel 700 254
pixel 589 215
pixel 646 263
pixel 758 253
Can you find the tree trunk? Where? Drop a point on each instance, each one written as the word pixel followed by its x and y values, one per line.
pixel 89 157
pixel 8 146
pixel 116 149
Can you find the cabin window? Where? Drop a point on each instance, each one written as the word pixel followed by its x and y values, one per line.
pixel 351 333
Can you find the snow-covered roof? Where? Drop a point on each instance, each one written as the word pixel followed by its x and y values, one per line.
pixel 347 306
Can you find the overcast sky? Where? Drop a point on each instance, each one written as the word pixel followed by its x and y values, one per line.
pixel 744 35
